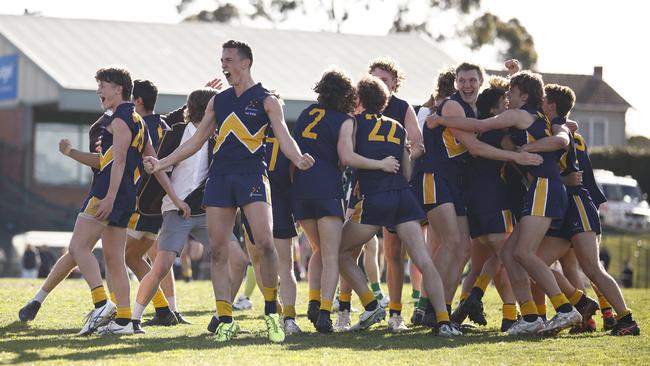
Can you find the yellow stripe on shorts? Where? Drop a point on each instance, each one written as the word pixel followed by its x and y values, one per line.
pixel 428 189
pixel 583 213
pixel 540 197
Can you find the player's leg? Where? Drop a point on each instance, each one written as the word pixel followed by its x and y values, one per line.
pixel 315 269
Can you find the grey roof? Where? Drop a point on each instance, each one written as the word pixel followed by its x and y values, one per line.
pixel 182 57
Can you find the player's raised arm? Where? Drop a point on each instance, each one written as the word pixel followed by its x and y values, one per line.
pixel 85 158
pixel 188 148
pixel 345 148
pixel 288 145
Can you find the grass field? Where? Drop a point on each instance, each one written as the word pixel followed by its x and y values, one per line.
pixel 51 339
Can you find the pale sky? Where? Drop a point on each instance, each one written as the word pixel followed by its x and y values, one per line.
pixel 571 36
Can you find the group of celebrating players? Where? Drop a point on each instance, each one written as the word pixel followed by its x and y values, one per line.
pixel 494 175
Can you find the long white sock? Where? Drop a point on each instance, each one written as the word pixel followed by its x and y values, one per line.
pixel 172 303
pixel 41 295
pixel 137 311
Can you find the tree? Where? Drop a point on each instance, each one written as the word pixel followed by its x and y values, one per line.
pixel 485 30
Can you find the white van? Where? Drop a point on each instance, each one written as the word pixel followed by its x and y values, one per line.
pixel 626 207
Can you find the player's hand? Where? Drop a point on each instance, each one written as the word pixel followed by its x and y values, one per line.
pixel 215 83
pixel 526 158
pixel 151 164
pixel 65 147
pixel 573 179
pixel 433 121
pixel 183 208
pixel 389 164
pixel 513 66
pixel 305 162
pixel 104 208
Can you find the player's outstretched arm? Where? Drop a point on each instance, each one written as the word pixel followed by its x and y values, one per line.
pixel 345 149
pixel 480 148
pixel 559 140
pixel 85 158
pixel 288 145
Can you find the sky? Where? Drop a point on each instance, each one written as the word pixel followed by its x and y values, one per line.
pixel 571 36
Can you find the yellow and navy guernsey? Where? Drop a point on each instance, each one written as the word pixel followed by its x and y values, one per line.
pixel 443 164
pixel 156 128
pixel 317 192
pixel 582 214
pixel 546 195
pixel 238 174
pixel 395 109
pixel 588 179
pixel 284 226
pixel 387 198
pixel 125 199
pixel 488 205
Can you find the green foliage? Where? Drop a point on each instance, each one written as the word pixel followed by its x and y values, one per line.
pixel 51 338
pixel 639 141
pixel 630 160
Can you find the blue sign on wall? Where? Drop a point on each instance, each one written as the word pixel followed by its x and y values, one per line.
pixel 8 77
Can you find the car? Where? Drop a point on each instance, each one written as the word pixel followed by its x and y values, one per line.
pixel 626 207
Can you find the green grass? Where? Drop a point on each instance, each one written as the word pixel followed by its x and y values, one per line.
pixel 51 339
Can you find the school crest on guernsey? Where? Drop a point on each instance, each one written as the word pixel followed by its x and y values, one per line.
pixel 233 125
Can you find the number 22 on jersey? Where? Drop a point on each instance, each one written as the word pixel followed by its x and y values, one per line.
pixel 374 134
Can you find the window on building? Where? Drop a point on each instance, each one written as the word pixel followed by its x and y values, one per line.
pixel 595 131
pixel 52 167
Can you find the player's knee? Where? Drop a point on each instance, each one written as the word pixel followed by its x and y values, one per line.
pixel 218 254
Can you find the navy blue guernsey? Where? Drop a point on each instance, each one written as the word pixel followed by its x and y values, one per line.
pixel 377 138
pixel 568 158
pixel 277 164
pixel 317 134
pixel 125 198
pixel 539 129
pixel 396 109
pixel 156 127
pixel 241 131
pixel 588 179
pixel 444 155
pixel 487 188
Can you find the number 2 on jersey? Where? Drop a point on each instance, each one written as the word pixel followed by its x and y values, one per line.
pixel 307 133
pixel 375 136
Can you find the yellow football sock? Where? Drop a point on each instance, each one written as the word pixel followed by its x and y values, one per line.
pixel 367 297
pixel 528 308
pixel 576 297
pixel 482 282
pixel 314 295
pixel 113 298
pixel 123 313
pixel 159 300
pixel 442 316
pixel 625 313
pixel 395 306
pixel 289 311
pixel 279 308
pixel 98 294
pixel 559 300
pixel 509 311
pixel 326 305
pixel 345 297
pixel 224 308
pixel 270 293
pixel 541 309
pixel 603 303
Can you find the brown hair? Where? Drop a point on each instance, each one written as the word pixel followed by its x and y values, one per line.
pixel 389 65
pixel 466 66
pixel 563 97
pixel 489 98
pixel 445 84
pixel 243 48
pixel 119 76
pixel 529 83
pixel 196 104
pixel 373 94
pixel 336 91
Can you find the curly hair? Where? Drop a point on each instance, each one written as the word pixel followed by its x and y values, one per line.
pixel 529 83
pixel 373 94
pixel 490 97
pixel 117 75
pixel 563 97
pixel 389 65
pixel 336 91
pixel 445 84
pixel 197 101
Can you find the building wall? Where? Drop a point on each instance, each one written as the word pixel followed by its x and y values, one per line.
pixel 589 119
pixel 14 143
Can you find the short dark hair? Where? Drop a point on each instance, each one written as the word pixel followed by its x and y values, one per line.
pixel 336 91
pixel 389 65
pixel 529 83
pixel 146 90
pixel 243 48
pixel 563 97
pixel 489 98
pixel 467 66
pixel 117 75
pixel 373 94
pixel 196 104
